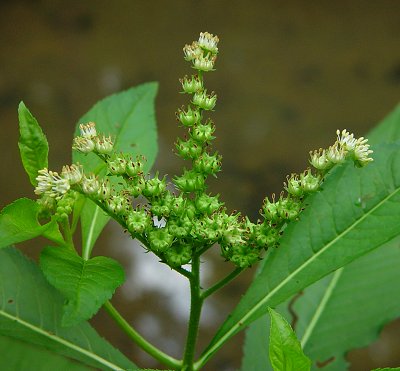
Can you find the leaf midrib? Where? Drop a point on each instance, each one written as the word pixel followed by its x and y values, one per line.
pixel 58 339
pixel 249 313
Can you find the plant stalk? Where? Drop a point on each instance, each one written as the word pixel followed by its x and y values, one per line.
pixel 196 303
pixel 139 340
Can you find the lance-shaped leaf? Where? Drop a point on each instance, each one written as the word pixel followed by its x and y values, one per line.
pixel 30 311
pixel 285 351
pixel 19 222
pixel 351 299
pixel 32 143
pixel 357 211
pixel 130 120
pixel 86 284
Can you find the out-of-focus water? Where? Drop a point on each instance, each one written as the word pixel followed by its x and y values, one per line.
pixel 288 75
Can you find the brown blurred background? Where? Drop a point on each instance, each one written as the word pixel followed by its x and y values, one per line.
pixel 288 75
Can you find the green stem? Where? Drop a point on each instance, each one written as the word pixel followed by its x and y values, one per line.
pixel 222 283
pixel 139 340
pixel 67 233
pixel 196 303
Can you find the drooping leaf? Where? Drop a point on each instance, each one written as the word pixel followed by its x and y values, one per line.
pixel 19 222
pixel 19 355
pixel 356 212
pixel 361 289
pixel 32 144
pixel 130 119
pixel 285 351
pixel 87 284
pixel 30 311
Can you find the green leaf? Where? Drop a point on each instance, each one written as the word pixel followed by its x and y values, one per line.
pixel 32 144
pixel 30 311
pixel 87 284
pixel 19 222
pixel 351 299
pixel 285 351
pixel 130 119
pixel 357 211
pixel 19 355
pixel 343 311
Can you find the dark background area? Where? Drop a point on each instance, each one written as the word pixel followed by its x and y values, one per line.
pixel 288 75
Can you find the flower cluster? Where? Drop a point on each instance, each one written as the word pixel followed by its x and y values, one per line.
pixel 193 219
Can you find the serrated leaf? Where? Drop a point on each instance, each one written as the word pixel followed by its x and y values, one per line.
pixel 86 284
pixel 351 299
pixel 285 351
pixel 32 144
pixel 30 310
pixel 356 212
pixel 19 222
pixel 130 119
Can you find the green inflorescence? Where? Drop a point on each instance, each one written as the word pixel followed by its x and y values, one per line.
pixel 194 219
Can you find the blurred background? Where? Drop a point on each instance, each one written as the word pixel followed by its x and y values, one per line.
pixel 288 75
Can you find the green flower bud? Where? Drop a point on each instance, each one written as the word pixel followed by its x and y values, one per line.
pixel 289 208
pixel 190 181
pixel 161 206
pixel 188 149
pixel 136 186
pixel 208 164
pixel 191 84
pixel 154 187
pixel 179 228
pixel 103 144
pixel 294 186
pixel 207 204
pixel 189 117
pixel 138 221
pixel 135 168
pixel 117 204
pixel 203 133
pixel 205 101
pixel 160 240
pixel 117 165
pixel 270 210
pixel 319 160
pixel 178 206
pixel 309 182
pixel 179 254
pixel 104 191
pixel 204 63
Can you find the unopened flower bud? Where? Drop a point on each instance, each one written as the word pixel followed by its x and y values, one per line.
pixel 207 204
pixel 190 181
pixel 294 186
pixel 205 101
pixel 189 117
pixel 138 221
pixel 154 187
pixel 135 168
pixel 208 164
pixel 191 84
pixel 203 133
pixel 309 182
pixel 117 165
pixel 160 240
pixel 188 149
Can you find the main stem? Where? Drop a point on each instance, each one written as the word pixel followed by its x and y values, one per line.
pixel 196 302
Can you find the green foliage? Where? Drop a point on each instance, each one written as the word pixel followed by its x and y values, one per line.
pixel 285 351
pixel 30 311
pixel 348 302
pixel 342 222
pixel 19 222
pixel 32 144
pixel 129 118
pixel 87 284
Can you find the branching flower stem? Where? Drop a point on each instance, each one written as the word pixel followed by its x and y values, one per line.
pixel 222 283
pixel 139 340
